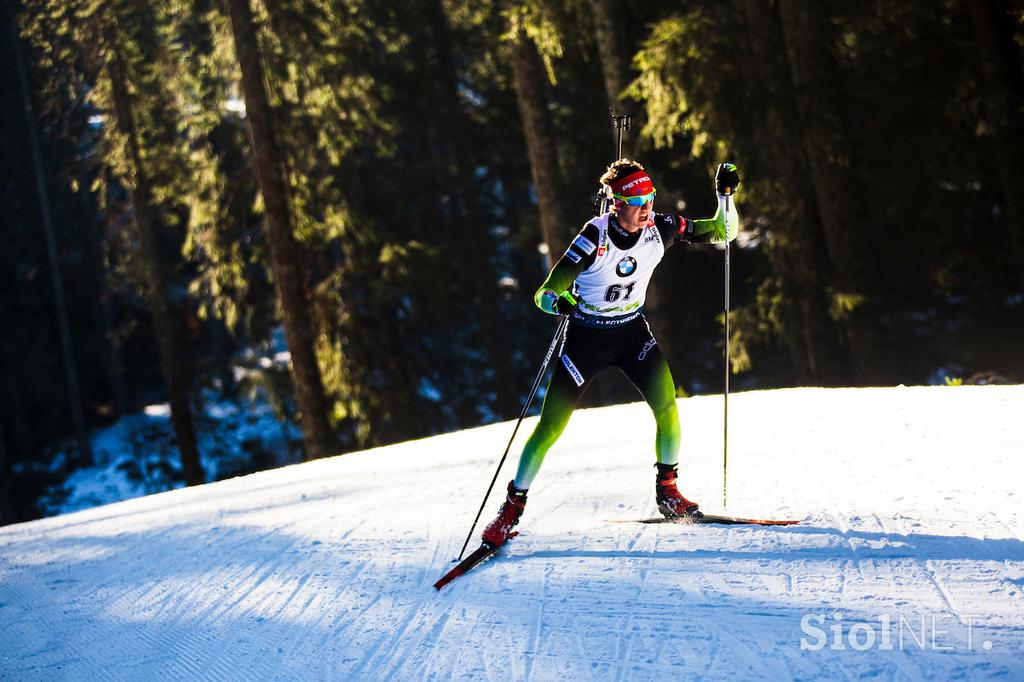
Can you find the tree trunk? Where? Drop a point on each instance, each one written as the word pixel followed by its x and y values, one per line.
pixel 540 143
pixel 23 437
pixel 114 365
pixel 74 394
pixel 814 343
pixel 812 68
pixel 609 18
pixel 1002 110
pixel 295 307
pixel 165 324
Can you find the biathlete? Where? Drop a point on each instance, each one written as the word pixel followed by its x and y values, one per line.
pixel 600 282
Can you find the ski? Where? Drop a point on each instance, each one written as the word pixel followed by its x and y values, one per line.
pixel 711 518
pixel 477 557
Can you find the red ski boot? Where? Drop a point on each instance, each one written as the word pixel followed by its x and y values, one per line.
pixel 671 502
pixel 499 530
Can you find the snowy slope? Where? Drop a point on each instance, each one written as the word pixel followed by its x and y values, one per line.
pixel 913 528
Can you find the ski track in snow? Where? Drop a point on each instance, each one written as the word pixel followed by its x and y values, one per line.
pixel 910 507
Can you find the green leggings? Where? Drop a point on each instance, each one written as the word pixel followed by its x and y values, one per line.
pixel 584 353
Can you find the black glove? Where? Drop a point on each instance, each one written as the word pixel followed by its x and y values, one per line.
pixel 566 303
pixel 726 178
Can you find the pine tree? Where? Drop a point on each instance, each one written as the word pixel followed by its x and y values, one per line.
pixel 609 27
pixel 167 328
pixel 298 324
pixel 530 80
pixel 74 393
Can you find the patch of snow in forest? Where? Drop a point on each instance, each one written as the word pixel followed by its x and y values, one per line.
pixel 137 456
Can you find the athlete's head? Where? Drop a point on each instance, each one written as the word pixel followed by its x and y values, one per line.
pixel 632 193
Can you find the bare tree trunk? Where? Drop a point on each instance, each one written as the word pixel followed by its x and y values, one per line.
pixel 23 438
pixel 609 18
pixel 74 394
pixel 540 143
pixel 820 356
pixel 101 256
pixel 299 327
pixel 812 67
pixel 168 333
pixel 115 363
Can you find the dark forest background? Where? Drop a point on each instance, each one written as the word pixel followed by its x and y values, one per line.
pixel 188 185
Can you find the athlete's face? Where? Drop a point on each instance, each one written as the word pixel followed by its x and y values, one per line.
pixel 633 218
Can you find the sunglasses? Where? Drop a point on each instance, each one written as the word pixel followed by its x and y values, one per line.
pixel 638 200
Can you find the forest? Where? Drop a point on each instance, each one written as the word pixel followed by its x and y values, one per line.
pixel 339 210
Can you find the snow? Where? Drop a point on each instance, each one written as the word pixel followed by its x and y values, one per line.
pixel 159 410
pixel 911 547
pixel 136 455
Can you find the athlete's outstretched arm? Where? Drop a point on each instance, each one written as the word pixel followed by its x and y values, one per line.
pixel 580 255
pixel 676 228
pixel 712 230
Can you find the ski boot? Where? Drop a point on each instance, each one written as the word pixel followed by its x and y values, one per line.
pixel 671 502
pixel 499 530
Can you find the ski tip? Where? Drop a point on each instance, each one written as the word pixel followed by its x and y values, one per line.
pixel 479 555
pixel 448 577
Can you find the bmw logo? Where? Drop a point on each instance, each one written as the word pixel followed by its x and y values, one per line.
pixel 626 267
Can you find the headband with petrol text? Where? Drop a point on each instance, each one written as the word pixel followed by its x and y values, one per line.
pixel 635 184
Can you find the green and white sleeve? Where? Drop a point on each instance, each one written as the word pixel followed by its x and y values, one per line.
pixel 577 258
pixel 712 230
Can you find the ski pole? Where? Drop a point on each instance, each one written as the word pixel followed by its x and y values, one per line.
pixel 725 416
pixel 522 415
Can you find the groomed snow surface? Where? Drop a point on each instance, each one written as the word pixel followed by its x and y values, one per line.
pixel 910 549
